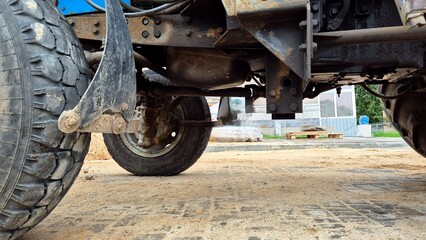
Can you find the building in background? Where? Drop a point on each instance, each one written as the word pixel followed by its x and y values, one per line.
pixel 329 111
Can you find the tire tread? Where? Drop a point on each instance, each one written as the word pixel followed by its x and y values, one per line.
pixel 56 65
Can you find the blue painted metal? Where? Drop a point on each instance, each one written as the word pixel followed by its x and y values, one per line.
pixel 69 7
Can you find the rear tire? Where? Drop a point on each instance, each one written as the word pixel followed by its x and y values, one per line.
pixel 408 113
pixel 176 155
pixel 43 72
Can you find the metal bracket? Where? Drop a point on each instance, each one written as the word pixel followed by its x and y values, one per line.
pixel 310 46
pixel 113 88
pixel 284 89
pixel 412 12
pixel 259 18
pixel 337 21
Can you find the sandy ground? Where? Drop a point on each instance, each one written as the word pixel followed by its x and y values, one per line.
pixel 315 194
pixel 97 150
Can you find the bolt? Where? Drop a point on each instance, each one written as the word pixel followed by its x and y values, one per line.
pixel 118 126
pixel 71 22
pixel 272 93
pixel 364 9
pixel 293 107
pixel 95 31
pixel 333 12
pixel 69 122
pixel 145 34
pixel 188 32
pixel 293 92
pixel 96 23
pixel 273 107
pixel 157 21
pixel 125 107
pixel 145 21
pixel 157 34
pixel 315 7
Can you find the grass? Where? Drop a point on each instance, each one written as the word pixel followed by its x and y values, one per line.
pixel 268 137
pixel 389 134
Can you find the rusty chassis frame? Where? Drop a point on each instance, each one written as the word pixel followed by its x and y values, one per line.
pixel 301 58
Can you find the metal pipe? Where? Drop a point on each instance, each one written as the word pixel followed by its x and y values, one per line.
pixel 252 91
pixel 96 57
pixel 371 35
pixel 145 62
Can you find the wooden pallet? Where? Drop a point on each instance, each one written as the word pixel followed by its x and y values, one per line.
pixel 313 134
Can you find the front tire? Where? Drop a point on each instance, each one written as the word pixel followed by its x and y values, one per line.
pixel 43 72
pixel 174 154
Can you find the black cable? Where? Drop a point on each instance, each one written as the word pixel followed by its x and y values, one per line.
pixel 130 7
pixel 365 86
pixel 140 13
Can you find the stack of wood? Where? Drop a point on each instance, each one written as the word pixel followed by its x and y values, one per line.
pixel 313 132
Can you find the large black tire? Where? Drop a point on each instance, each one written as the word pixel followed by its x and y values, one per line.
pixel 43 72
pixel 171 158
pixel 408 113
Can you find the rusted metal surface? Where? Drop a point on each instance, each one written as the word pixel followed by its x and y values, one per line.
pixel 275 24
pixel 90 26
pixel 374 35
pixel 206 68
pixel 114 124
pixel 169 30
pixel 237 38
pixel 284 93
pixel 230 7
pixel 284 42
pixel 251 11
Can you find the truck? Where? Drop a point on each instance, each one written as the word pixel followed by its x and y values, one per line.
pixel 138 71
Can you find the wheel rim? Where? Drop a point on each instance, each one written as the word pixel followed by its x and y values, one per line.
pixel 130 140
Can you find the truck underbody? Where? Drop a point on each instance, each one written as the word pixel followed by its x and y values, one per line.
pixel 151 64
pixel 284 51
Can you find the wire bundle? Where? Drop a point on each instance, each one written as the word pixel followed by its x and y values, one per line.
pixel 167 6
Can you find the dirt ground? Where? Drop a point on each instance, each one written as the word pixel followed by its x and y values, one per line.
pixel 295 194
pixel 97 150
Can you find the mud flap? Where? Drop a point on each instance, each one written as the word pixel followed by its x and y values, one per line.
pixel 113 88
